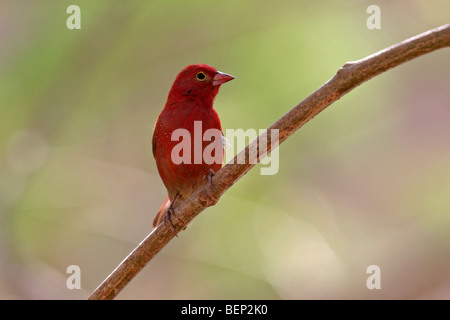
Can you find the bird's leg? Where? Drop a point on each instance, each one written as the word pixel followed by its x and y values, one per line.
pixel 167 221
pixel 171 213
pixel 210 175
pixel 205 197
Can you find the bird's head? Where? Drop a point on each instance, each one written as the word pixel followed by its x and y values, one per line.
pixel 198 81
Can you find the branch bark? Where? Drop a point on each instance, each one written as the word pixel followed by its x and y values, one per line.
pixel 348 77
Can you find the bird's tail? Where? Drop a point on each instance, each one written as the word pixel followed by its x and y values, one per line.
pixel 161 212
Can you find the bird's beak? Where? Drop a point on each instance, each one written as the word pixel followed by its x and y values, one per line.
pixel 221 78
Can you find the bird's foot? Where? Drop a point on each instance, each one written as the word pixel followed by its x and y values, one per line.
pixel 210 175
pixel 206 198
pixel 167 218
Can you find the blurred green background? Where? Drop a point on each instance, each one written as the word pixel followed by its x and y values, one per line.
pixel 366 182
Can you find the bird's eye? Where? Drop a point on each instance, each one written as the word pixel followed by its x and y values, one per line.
pixel 200 76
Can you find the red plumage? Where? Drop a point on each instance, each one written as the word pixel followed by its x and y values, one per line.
pixel 190 99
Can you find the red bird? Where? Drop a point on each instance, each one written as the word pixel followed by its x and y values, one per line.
pixel 190 99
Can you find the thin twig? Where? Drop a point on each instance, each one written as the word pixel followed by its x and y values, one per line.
pixel 348 77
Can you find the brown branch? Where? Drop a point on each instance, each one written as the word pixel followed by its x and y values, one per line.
pixel 348 77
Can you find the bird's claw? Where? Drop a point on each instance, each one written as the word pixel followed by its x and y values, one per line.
pixel 168 222
pixel 210 175
pixel 167 219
